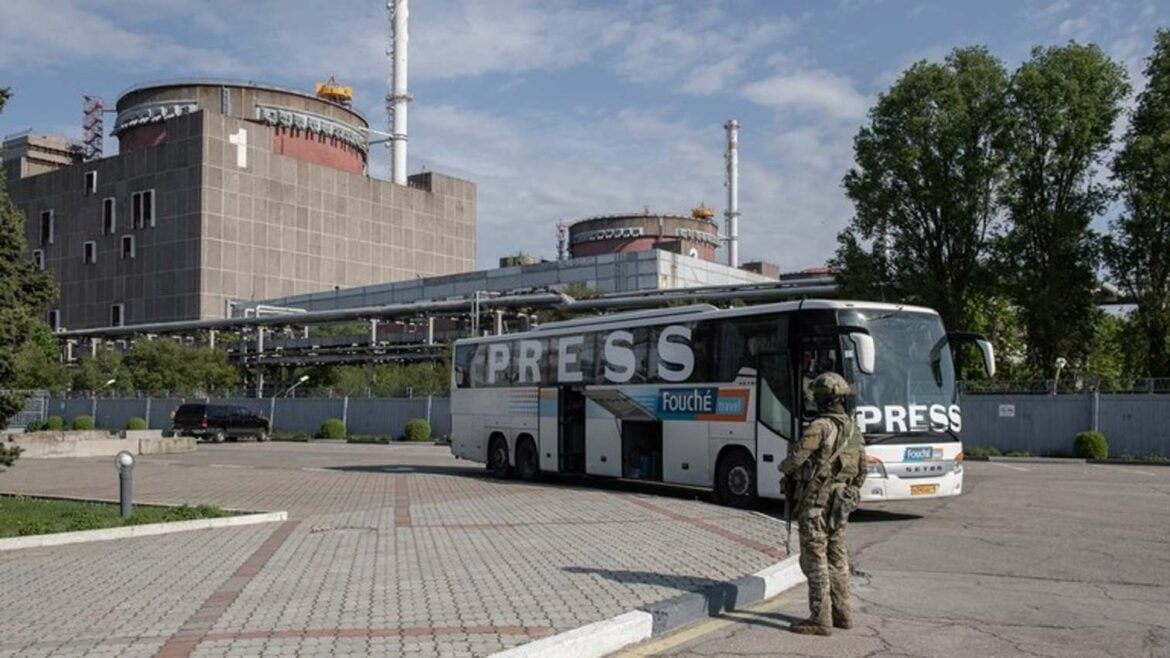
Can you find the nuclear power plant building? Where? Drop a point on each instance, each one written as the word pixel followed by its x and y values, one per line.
pixel 225 192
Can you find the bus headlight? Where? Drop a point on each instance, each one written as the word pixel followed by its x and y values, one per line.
pixel 957 465
pixel 874 467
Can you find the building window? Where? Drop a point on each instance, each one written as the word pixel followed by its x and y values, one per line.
pixel 55 319
pixel 90 182
pixel 39 259
pixel 142 209
pixel 47 227
pixel 109 215
pixel 117 315
pixel 90 256
pixel 128 250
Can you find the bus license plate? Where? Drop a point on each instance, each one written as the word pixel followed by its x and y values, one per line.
pixel 923 489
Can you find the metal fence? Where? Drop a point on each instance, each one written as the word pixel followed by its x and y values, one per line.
pixel 35 410
pixel 1069 386
pixel 368 416
pixel 1134 424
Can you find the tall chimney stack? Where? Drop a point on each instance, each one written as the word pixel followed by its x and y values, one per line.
pixel 398 97
pixel 732 212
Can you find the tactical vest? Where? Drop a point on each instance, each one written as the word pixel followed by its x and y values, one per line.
pixel 834 464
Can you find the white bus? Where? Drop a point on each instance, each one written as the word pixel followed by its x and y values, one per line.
pixel 712 398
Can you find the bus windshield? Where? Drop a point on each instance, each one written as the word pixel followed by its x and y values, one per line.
pixel 912 389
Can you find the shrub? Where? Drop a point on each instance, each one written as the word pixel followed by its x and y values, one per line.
pixel 980 452
pixel 1017 453
pixel 1091 445
pixel 332 428
pixel 136 423
pixel 55 424
pixel 34 426
pixel 83 423
pixel 417 429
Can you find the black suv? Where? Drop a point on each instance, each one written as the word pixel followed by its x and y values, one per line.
pixel 216 422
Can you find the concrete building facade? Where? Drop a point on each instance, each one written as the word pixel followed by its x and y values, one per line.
pixel 609 273
pixel 229 192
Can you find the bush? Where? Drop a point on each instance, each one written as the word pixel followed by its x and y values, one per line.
pixel 332 428
pixel 979 452
pixel 1091 445
pixel 1017 453
pixel 417 429
pixel 55 424
pixel 83 423
pixel 34 426
pixel 136 423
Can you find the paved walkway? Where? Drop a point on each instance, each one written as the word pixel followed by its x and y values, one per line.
pixel 389 550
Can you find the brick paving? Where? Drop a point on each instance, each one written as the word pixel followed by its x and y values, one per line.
pixel 398 551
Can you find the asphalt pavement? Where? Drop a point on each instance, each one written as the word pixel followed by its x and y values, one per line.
pixel 1033 559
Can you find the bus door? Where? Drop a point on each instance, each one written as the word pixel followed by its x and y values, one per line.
pixel 571 444
pixel 775 418
pixel 549 429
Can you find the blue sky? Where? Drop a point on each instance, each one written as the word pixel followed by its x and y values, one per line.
pixel 562 109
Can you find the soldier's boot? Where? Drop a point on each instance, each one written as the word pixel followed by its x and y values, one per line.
pixel 810 627
pixel 842 621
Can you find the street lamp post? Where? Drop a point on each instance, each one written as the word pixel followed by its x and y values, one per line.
pixel 272 402
pixel 93 399
pixel 1061 362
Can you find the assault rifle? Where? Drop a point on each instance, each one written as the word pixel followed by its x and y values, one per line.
pixel 788 486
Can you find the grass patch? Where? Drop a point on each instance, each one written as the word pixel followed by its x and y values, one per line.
pixel 366 438
pixel 22 515
pixel 285 435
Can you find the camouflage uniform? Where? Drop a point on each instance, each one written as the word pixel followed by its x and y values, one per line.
pixel 829 463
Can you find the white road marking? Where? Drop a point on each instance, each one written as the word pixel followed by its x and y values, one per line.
pixel 239 466
pixel 1014 468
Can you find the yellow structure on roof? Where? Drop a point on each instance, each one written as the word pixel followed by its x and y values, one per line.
pixel 702 212
pixel 335 91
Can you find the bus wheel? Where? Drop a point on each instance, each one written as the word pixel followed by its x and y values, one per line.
pixel 735 479
pixel 527 461
pixel 498 457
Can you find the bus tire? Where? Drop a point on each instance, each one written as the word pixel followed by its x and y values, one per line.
pixel 497 459
pixel 527 459
pixel 735 479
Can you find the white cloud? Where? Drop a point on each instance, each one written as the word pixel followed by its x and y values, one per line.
pixel 37 34
pixel 711 78
pixel 811 91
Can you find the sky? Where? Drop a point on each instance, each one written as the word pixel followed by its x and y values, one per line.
pixel 566 109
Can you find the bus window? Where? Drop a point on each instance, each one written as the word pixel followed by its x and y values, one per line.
pixel 776 393
pixel 816 356
pixel 463 357
pixel 479 366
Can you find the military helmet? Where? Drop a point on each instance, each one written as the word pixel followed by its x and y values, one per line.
pixel 830 385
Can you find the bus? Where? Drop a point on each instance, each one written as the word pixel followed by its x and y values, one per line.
pixel 714 398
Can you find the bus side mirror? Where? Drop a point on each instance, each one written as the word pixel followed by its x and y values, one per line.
pixel 865 351
pixel 988 352
pixel 984 345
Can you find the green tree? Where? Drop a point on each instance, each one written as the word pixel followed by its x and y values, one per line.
pixel 25 294
pixel 1138 251
pixel 1064 102
pixel 165 365
pixel 92 373
pixel 930 165
pixel 38 362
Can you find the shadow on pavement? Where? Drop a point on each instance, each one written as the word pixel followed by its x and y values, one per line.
pixel 880 516
pixel 430 469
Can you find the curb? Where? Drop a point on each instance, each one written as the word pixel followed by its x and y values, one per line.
pixel 605 637
pixel 145 530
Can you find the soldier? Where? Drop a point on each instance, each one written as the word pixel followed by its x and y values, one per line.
pixel 827 468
